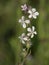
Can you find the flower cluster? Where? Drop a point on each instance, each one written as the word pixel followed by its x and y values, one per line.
pixel 32 11
pixel 25 38
pixel 31 31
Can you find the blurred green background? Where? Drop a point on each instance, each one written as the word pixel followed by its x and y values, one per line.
pixel 10 29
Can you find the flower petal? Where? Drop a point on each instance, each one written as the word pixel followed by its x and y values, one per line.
pixel 32 35
pixel 22 6
pixel 36 13
pixel 29 11
pixel 30 16
pixel 19 21
pixel 23 42
pixel 23 18
pixel 28 34
pixel 34 16
pixel 29 29
pixel 23 34
pixel 25 38
pixel 35 32
pixel 33 9
pixel 33 28
pixel 25 5
pixel 24 25
pixel 27 21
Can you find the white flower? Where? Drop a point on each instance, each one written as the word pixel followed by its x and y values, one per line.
pixel 31 31
pixel 24 7
pixel 23 38
pixel 33 13
pixel 23 21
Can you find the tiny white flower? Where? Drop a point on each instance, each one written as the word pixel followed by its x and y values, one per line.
pixel 31 31
pixel 23 38
pixel 33 13
pixel 24 7
pixel 23 21
pixel 24 49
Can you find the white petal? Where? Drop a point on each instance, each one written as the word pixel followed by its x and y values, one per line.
pixel 34 16
pixel 24 25
pixel 19 21
pixel 28 34
pixel 22 6
pixel 25 38
pixel 33 9
pixel 30 12
pixel 23 17
pixel 36 13
pixel 23 42
pixel 27 21
pixel 35 32
pixel 25 5
pixel 29 29
pixel 30 16
pixel 33 28
pixel 32 35
pixel 23 34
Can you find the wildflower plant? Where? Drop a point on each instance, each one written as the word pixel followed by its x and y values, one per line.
pixel 25 38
